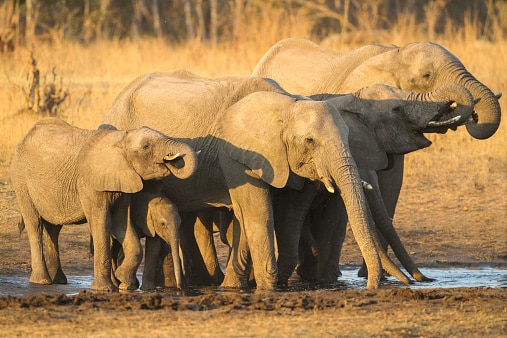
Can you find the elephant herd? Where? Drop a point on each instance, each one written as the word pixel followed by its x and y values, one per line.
pixel 279 162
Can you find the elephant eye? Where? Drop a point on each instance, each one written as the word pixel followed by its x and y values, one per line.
pixel 397 109
pixel 427 75
pixel 146 146
pixel 309 140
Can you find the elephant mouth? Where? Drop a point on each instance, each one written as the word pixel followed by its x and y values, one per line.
pixel 174 161
pixel 444 120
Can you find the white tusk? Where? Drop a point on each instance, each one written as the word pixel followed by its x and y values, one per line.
pixel 366 185
pixel 330 189
pixel 170 158
pixel 454 105
pixel 198 152
pixel 444 123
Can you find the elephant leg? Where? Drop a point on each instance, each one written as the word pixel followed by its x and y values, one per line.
pixel 98 215
pixel 152 250
pixel 194 267
pixel 308 254
pixel 290 208
pixel 329 225
pixel 390 182
pixel 239 262
pixel 52 253
pixel 203 232
pixel 252 206
pixel 116 259
pixel 34 228
pixel 125 233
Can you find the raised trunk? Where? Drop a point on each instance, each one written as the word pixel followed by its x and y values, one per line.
pixel 184 165
pixel 487 115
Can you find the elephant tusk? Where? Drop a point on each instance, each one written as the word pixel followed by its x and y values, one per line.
pixel 444 123
pixel 453 105
pixel 168 158
pixel 329 186
pixel 366 185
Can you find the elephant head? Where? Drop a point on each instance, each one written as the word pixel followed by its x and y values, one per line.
pixel 282 140
pixel 121 160
pixel 424 67
pixel 386 120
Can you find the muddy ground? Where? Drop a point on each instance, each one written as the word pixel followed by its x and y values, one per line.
pixel 454 221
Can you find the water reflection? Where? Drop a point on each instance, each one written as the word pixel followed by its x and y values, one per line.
pixel 448 277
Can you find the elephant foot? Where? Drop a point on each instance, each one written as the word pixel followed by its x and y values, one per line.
pixel 233 282
pixel 363 271
pixel 60 278
pixel 43 280
pixel 307 273
pixel 129 286
pixel 418 276
pixel 103 286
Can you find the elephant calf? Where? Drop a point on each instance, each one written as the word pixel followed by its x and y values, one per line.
pixel 65 175
pixel 157 219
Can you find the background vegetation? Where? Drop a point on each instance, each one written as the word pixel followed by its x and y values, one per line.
pixel 83 52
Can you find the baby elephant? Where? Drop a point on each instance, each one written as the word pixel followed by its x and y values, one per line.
pixel 66 175
pixel 156 218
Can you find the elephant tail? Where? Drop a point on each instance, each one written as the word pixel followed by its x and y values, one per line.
pixel 21 225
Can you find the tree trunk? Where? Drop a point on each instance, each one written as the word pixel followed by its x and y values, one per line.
pixel 213 22
pixel 157 26
pixel 102 29
pixel 187 7
pixel 201 29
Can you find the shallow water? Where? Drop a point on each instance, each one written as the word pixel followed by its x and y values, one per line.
pixel 445 277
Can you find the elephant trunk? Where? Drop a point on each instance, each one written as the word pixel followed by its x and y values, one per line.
pixel 181 160
pixel 454 105
pixel 175 252
pixel 487 113
pixel 347 180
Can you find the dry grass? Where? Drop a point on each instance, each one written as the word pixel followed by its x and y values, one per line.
pixel 95 74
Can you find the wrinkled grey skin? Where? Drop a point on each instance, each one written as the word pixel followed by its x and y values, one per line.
pixel 382 121
pixel 419 67
pixel 66 175
pixel 277 140
pixel 157 218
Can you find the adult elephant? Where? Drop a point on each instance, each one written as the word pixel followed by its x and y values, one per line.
pixel 304 67
pixel 253 136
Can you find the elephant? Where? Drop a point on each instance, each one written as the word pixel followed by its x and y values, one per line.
pixel 382 121
pixel 418 67
pixel 254 136
pixel 65 175
pixel 157 219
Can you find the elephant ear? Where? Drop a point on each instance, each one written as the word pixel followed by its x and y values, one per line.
pixel 104 166
pixel 142 205
pixel 252 130
pixel 366 151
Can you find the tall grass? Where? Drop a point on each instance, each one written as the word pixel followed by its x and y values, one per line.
pixel 96 73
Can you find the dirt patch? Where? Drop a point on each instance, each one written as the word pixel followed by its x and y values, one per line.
pixel 462 225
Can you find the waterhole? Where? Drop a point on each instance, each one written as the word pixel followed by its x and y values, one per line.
pixel 445 277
